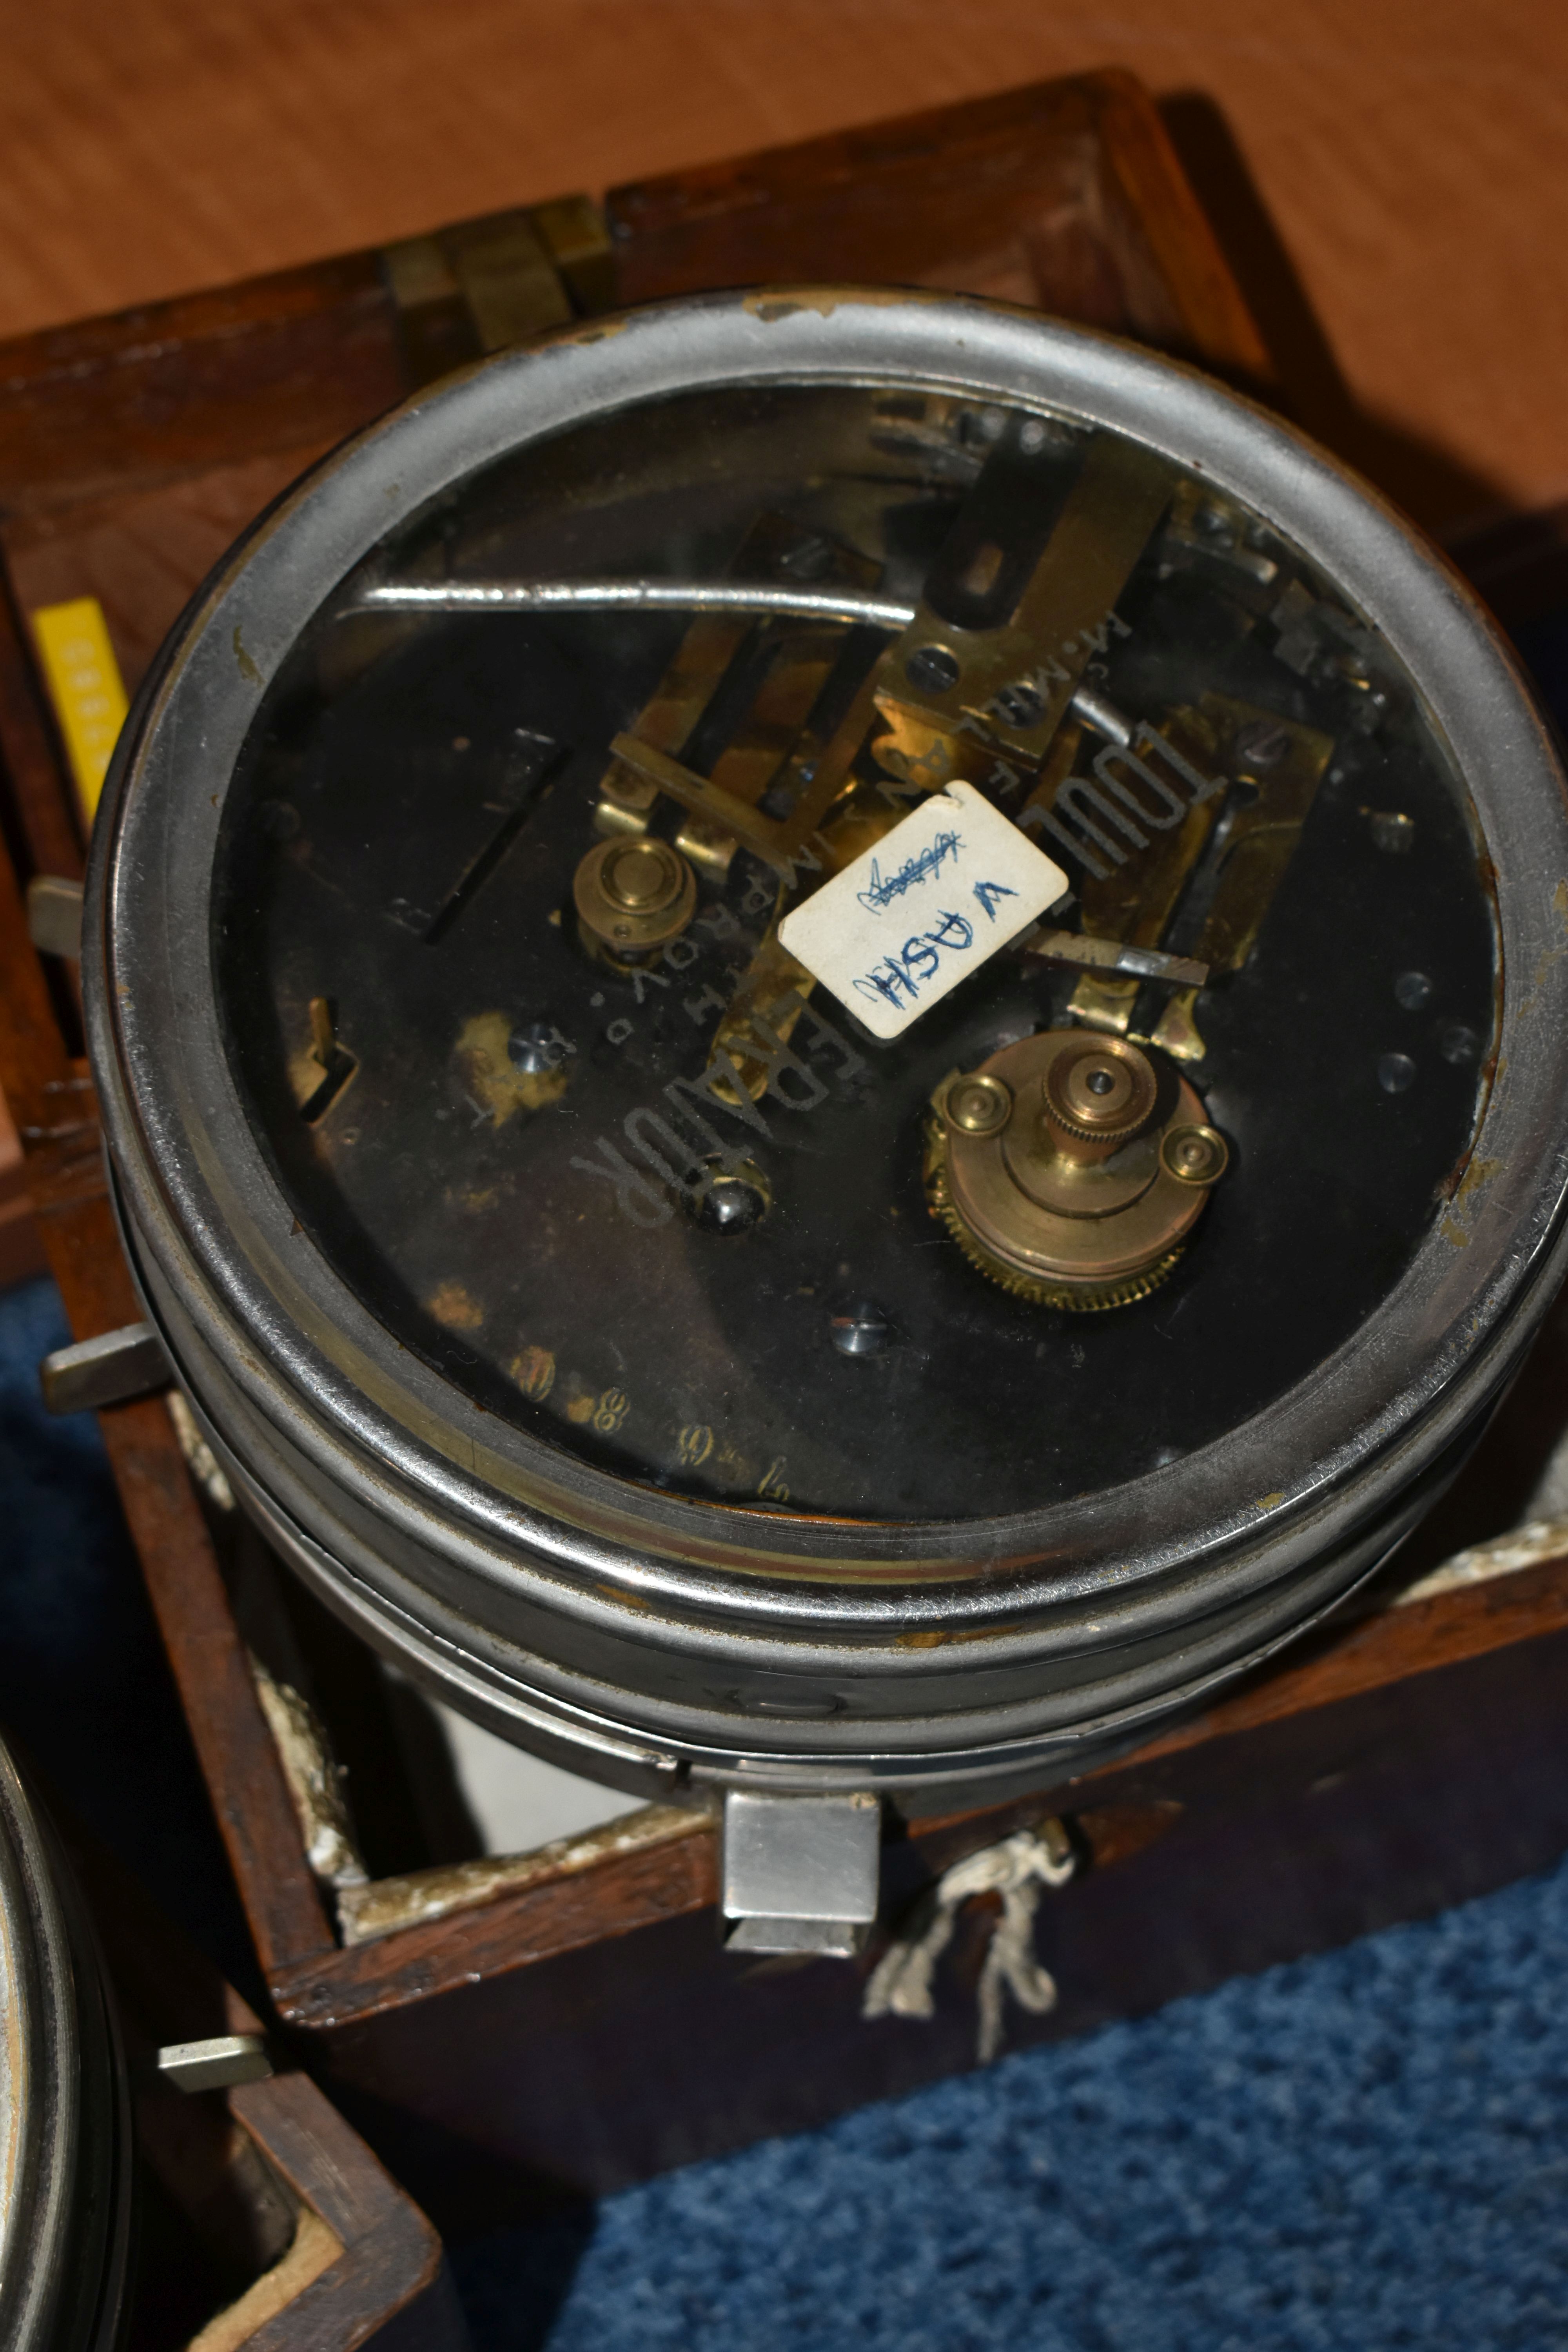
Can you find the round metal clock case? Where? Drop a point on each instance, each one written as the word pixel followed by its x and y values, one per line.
pixel 834 1030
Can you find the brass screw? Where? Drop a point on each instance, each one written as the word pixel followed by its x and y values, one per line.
pixel 980 1106
pixel 1194 1155
pixel 1262 743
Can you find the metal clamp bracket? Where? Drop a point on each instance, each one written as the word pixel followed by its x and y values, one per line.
pixel 221 2063
pixel 800 1873
pixel 54 915
pixel 110 1370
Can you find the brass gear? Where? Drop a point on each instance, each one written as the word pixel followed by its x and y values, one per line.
pixel 1079 1298
pixel 1127 1062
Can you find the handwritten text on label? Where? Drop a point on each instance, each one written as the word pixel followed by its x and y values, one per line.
pixel 950 883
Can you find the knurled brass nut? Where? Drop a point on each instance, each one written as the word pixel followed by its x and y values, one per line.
pixel 1100 1089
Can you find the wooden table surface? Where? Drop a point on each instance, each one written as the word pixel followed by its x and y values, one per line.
pixel 1414 153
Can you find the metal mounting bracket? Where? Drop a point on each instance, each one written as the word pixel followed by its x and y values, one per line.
pixel 799 1873
pixel 110 1370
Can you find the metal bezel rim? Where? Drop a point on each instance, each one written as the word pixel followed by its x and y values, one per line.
pixel 171 1105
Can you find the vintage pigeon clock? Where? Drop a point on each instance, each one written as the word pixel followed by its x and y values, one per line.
pixel 834 1029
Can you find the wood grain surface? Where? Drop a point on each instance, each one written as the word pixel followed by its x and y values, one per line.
pixel 1413 154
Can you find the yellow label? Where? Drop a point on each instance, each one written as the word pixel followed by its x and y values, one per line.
pixel 84 683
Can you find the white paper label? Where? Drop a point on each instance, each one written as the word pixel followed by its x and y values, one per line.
pixel 950 883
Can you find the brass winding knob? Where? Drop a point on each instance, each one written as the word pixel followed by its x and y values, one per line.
pixel 1071 1167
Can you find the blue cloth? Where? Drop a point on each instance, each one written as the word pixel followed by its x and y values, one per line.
pixel 1355 2153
